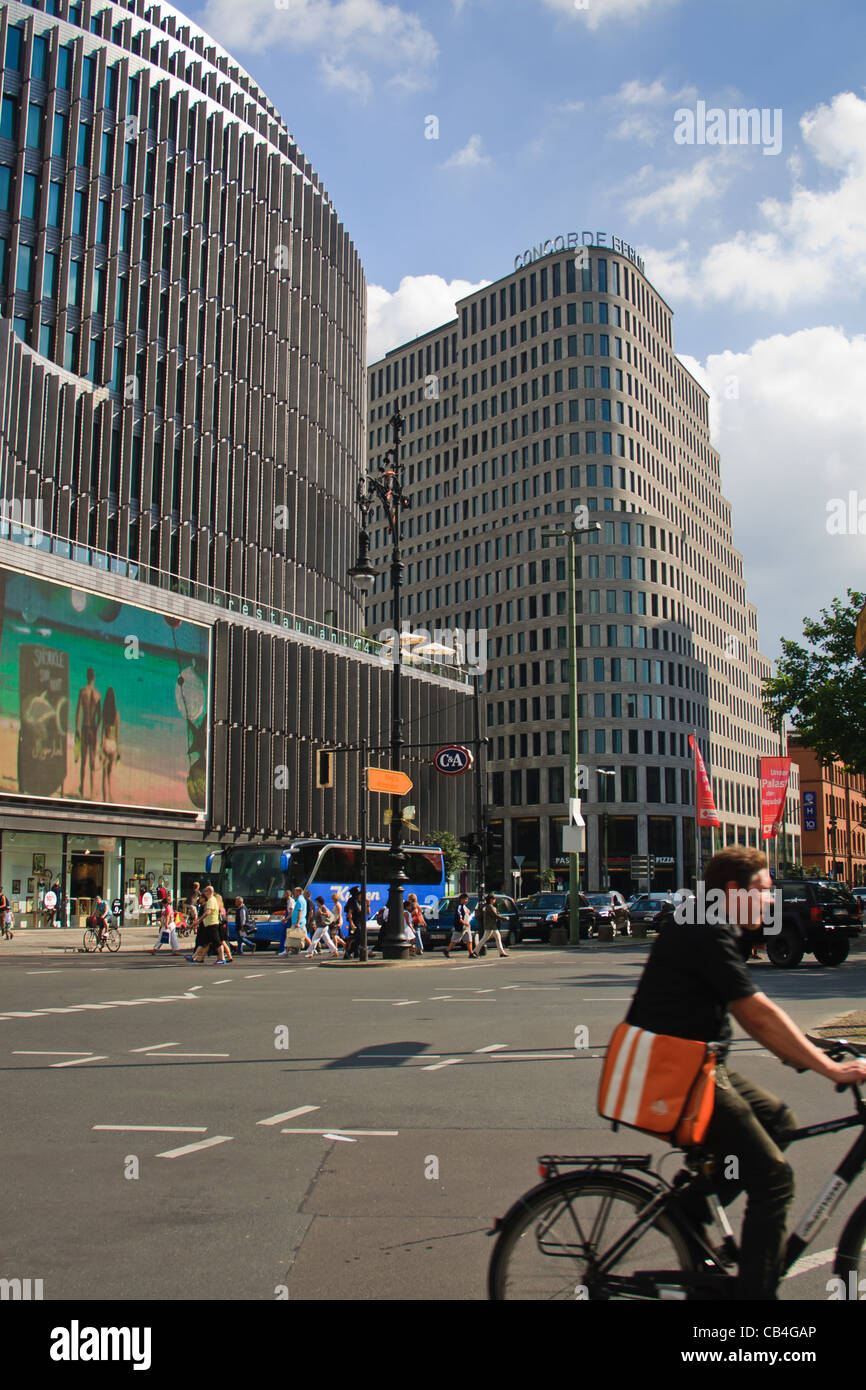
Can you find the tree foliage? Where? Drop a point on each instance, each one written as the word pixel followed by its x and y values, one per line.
pixel 452 851
pixel 821 686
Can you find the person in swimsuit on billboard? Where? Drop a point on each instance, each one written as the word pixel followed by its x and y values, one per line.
pixel 110 742
pixel 87 717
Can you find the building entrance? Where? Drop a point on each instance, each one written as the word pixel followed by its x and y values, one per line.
pixel 86 879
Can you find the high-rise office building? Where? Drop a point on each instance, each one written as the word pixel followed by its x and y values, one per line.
pixel 554 387
pixel 182 340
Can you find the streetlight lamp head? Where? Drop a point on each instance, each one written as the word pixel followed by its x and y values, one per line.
pixel 363 575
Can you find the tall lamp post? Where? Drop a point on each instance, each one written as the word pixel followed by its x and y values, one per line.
pixel 387 488
pixel 578 526
pixel 605 874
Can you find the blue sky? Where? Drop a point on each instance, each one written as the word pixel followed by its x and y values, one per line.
pixel 554 118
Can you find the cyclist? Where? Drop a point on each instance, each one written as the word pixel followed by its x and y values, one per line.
pixel 101 921
pixel 695 975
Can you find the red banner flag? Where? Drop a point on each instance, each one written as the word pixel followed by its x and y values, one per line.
pixel 775 773
pixel 707 814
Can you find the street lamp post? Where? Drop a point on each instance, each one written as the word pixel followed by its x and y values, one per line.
pixel 578 526
pixel 605 772
pixel 387 488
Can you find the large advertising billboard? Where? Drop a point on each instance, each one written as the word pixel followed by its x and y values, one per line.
pixel 100 701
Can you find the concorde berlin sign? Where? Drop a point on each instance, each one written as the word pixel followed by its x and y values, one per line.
pixel 570 242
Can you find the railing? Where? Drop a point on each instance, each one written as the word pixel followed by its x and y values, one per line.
pixel 35 539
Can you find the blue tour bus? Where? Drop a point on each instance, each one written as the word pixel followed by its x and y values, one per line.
pixel 261 874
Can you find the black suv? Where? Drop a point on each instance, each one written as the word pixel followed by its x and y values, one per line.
pixel 544 911
pixel 818 915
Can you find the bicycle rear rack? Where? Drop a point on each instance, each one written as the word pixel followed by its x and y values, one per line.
pixel 550 1165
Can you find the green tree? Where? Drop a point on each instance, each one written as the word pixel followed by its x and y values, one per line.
pixel 452 850
pixel 821 686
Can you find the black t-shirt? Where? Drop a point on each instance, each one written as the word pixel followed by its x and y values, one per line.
pixel 692 975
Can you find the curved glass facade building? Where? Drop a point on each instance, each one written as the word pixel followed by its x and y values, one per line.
pixel 164 241
pixel 182 378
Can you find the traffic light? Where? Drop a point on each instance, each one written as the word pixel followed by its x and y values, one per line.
pixel 324 769
pixel 471 844
pixel 495 840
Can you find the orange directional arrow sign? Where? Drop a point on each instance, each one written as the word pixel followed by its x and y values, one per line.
pixel 382 779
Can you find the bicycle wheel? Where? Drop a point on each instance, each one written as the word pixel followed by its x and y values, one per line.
pixel 850 1263
pixel 91 940
pixel 112 939
pixel 555 1243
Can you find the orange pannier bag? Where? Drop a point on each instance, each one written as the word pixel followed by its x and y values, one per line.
pixel 658 1083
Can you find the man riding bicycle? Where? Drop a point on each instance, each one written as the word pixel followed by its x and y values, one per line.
pixel 695 975
pixel 100 919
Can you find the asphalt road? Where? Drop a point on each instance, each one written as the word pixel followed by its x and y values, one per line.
pixel 280 1129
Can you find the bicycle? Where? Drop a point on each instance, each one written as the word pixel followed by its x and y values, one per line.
pixel 95 938
pixel 605 1227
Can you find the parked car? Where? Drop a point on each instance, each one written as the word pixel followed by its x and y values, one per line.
pixel 611 907
pixel 646 909
pixel 439 929
pixel 544 911
pixel 819 916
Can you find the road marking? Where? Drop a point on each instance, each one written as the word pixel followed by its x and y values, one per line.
pixel 109 1004
pixel 473 966
pixel 289 1115
pixel 80 1060
pixel 194 1148
pixel 434 997
pixel 401 1004
pixel 24 1053
pixel 509 986
pixel 388 1056
pixel 607 998
pixel 189 1054
pixel 53 970
pixel 809 1262
pixel 531 1056
pixel 259 976
pixel 220 982
pixel 156 1129
pixel 449 1062
pixel 382 1001
pixel 153 1047
pixel 493 1047
pixel 343 1138
pixel 332 1133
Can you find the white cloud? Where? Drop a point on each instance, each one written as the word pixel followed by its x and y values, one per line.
pixel 677 199
pixel 342 77
pixel 643 121
pixel 637 93
pixel 348 35
pixel 789 418
pixel 470 157
pixel 421 302
pixel 808 247
pixel 595 12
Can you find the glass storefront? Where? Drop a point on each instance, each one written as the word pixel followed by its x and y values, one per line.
pixel 31 864
pixel 81 868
